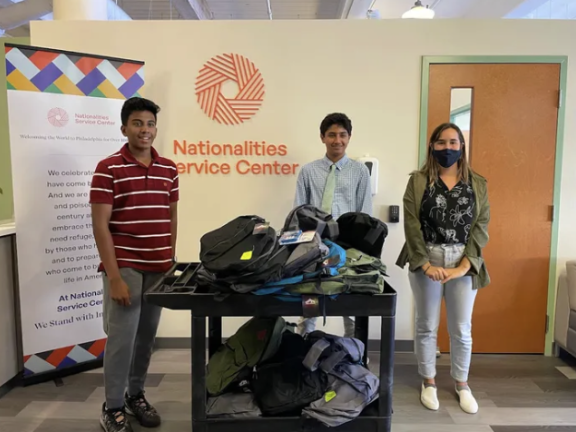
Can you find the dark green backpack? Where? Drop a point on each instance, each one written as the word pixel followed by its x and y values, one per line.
pixel 364 263
pixel 255 342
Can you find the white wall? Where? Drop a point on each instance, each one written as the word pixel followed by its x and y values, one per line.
pixel 369 69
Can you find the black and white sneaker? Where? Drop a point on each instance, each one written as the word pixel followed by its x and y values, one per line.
pixel 144 413
pixel 114 420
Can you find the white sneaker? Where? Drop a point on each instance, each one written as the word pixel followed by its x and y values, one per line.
pixel 429 397
pixel 467 401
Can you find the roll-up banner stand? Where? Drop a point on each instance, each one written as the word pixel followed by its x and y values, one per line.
pixel 64 116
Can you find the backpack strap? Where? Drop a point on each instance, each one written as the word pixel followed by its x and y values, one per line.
pixel 312 359
pixel 320 227
pixel 311 362
pixel 372 235
pixel 331 230
pixel 330 363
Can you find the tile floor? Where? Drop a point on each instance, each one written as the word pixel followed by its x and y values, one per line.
pixel 515 393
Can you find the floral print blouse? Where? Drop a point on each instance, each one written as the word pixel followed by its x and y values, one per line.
pixel 446 215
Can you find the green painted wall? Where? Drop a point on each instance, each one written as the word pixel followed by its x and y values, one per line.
pixel 7 196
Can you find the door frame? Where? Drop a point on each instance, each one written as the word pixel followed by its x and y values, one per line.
pixel 427 61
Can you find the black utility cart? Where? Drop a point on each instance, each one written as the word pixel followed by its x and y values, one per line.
pixel 177 291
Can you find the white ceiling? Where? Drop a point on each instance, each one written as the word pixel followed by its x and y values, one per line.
pixel 16 14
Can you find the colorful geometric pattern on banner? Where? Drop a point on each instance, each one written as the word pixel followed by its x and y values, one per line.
pixel 37 70
pixel 62 358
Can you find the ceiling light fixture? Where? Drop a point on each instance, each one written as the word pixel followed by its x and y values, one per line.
pixel 269 9
pixel 418 11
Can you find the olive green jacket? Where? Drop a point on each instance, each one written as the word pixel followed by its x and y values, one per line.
pixel 414 251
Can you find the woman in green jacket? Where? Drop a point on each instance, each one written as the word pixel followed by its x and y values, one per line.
pixel 446 216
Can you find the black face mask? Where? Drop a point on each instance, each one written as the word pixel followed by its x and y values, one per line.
pixel 446 158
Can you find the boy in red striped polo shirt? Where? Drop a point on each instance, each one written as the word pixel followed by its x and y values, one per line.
pixel 134 195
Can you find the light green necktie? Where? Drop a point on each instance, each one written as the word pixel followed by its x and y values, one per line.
pixel 328 196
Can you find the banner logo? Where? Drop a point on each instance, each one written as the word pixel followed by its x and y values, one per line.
pixel 225 69
pixel 58 117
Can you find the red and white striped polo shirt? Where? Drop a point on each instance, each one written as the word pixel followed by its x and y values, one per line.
pixel 140 198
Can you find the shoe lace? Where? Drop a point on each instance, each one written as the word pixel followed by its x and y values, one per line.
pixel 142 404
pixel 119 417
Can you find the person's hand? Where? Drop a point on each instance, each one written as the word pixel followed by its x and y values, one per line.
pixel 454 273
pixel 459 271
pixel 119 292
pixel 435 273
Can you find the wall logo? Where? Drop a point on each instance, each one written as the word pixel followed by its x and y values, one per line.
pixel 230 69
pixel 58 117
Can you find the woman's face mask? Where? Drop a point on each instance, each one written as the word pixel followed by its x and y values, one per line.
pixel 447 150
pixel 447 157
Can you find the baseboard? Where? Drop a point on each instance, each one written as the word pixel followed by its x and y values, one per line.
pixel 564 353
pixel 401 345
pixel 58 374
pixel 8 386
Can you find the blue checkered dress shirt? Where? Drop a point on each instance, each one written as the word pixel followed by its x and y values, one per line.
pixel 352 193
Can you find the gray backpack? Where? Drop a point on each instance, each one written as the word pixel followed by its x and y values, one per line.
pixel 309 218
pixel 352 387
pixel 232 405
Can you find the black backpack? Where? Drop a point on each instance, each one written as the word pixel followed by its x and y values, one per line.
pixel 241 255
pixel 282 385
pixel 270 271
pixel 309 218
pixel 363 232
pixel 239 246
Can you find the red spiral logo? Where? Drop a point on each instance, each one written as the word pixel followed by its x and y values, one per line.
pixel 236 68
pixel 58 117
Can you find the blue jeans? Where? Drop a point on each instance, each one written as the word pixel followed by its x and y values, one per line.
pixel 459 296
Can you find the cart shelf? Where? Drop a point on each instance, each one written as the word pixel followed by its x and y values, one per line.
pixel 178 291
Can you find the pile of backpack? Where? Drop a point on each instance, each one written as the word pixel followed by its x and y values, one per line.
pixel 247 255
pixel 266 369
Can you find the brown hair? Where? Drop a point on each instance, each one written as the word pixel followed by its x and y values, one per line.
pixel 431 167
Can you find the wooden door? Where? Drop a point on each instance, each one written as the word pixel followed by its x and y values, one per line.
pixel 513 144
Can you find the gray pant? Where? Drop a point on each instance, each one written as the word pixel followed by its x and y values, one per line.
pixel 131 332
pixel 308 325
pixel 459 296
